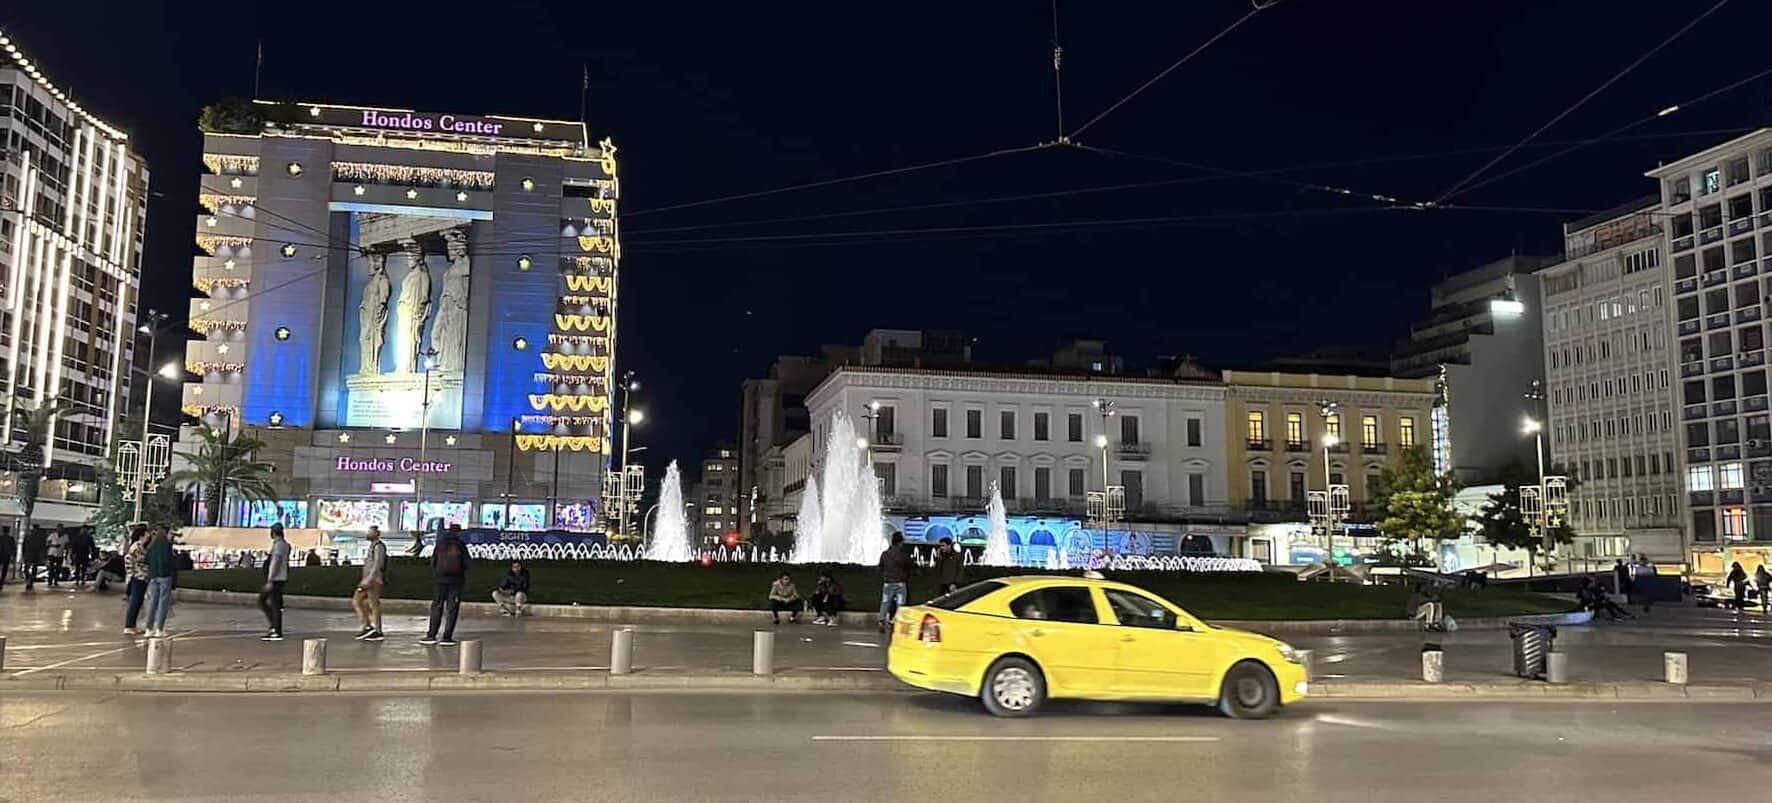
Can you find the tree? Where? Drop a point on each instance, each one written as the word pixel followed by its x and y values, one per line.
pixel 26 464
pixel 1413 503
pixel 232 116
pixel 1501 522
pixel 223 467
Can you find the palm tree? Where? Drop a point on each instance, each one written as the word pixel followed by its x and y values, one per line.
pixel 225 465
pixel 27 463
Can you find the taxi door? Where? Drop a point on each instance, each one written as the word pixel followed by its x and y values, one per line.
pixel 1063 629
pixel 1160 654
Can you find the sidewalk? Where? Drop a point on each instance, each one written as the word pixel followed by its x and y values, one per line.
pixel 61 639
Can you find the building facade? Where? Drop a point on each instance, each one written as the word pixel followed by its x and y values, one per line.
pixel 415 310
pixel 73 207
pixel 1485 341
pixel 716 495
pixel 1610 396
pixel 1717 205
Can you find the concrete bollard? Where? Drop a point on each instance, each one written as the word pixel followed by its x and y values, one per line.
pixel 1674 666
pixel 470 658
pixel 159 656
pixel 763 652
pixel 1556 667
pixel 1433 666
pixel 621 652
pixel 2 653
pixel 313 656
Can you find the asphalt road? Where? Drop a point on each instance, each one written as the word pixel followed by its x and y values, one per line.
pixel 884 747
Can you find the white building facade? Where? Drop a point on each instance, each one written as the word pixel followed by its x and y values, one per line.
pixel 73 204
pixel 1608 387
pixel 941 438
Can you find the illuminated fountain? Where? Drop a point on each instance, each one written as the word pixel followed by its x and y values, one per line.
pixel 848 525
pixel 670 534
pixel 996 542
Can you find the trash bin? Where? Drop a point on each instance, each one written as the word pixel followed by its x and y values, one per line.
pixel 1532 642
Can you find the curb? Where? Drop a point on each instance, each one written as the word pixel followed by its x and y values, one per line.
pixel 790 681
pixel 631 614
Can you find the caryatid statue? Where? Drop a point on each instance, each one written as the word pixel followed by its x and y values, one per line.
pixel 449 335
pixel 414 305
pixel 372 316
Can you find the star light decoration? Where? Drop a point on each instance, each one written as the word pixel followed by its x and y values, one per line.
pixel 449 441
pixel 390 438
pixel 344 437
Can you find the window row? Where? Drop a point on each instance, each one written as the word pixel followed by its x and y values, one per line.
pixel 1611 387
pixel 1624 426
pixel 1645 340
pixel 1725 431
pixel 1615 468
pixel 1724 387
pixel 1008 428
pixel 1256 429
pixel 1645 300
pixel 1652 505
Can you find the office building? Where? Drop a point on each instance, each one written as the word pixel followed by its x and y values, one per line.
pixel 73 206
pixel 416 311
pixel 1484 340
pixel 715 497
pixel 1607 385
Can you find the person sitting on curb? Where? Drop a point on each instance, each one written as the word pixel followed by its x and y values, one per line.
pixel 512 595
pixel 783 596
pixel 827 599
pixel 1425 607
pixel 1595 599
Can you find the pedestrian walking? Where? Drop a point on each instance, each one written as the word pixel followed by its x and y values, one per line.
pixel 8 548
pixel 512 594
pixel 135 578
pixel 827 599
pixel 950 568
pixel 36 552
pixel 1621 584
pixel 783 596
pixel 162 566
pixel 1642 581
pixel 366 600
pixel 449 571
pixel 896 566
pixel 80 548
pixel 56 555
pixel 1763 580
pixel 270 597
pixel 1737 581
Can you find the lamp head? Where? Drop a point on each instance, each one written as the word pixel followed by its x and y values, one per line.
pixel 1101 441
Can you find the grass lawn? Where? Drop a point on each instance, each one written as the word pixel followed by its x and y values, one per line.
pixel 744 585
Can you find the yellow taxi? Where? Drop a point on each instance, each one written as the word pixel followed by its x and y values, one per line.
pixel 1013 642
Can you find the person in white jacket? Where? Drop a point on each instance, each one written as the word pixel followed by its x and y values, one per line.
pixel 366 600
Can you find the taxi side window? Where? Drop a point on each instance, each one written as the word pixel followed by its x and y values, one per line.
pixel 1056 604
pixel 1138 610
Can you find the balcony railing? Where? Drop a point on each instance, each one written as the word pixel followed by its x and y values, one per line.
pixel 1686 285
pixel 1765 218
pixel 1258 444
pixel 1750 358
pixel 1731 451
pixel 1682 243
pixel 1692 412
pixel 1753 404
pixel 1746 269
pixel 887 441
pixel 1710 235
pixel 1722 408
pixel 1372 448
pixel 1716 321
pixel 1692 369
pixel 1339 447
pixel 1298 446
pixel 1746 314
pixel 1722 363
pixel 1132 450
pixel 1740 225
pixel 1716 277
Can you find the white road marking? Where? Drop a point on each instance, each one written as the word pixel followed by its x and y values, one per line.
pixel 1336 719
pixel 949 738
pixel 859 644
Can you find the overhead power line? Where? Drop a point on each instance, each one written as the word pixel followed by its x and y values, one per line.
pixel 1450 191
pixel 1259 6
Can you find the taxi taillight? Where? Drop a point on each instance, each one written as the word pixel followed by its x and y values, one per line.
pixel 930 630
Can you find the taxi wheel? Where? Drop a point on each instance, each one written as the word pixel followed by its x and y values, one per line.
pixel 1249 692
pixel 1013 687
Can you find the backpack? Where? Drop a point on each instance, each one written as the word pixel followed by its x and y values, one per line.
pixel 449 558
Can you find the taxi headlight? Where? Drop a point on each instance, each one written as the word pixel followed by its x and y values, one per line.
pixel 1286 652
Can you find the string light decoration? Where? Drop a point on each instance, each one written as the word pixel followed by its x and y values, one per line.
pixel 581 323
pixel 205 410
pixel 223 164
pixel 560 339
pixel 596 244
pixel 575 362
pixel 402 174
pixel 209 283
pixel 206 326
pixel 452 146
pixel 215 202
pixel 568 379
pixel 550 443
pixel 208 367
pixel 594 422
pixel 577 404
pixel 210 243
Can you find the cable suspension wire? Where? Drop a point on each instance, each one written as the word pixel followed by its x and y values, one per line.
pixel 1261 176
pixel 845 180
pixel 1575 146
pixel 1057 74
pixel 1258 8
pixel 1450 191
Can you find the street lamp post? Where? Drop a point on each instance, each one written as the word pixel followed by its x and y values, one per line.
pixel 152 330
pixel 1106 407
pixel 1331 438
pixel 633 418
pixel 629 417
pixel 428 360
pixel 511 471
pixel 1101 442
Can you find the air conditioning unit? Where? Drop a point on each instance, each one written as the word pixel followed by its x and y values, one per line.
pixel 1755 443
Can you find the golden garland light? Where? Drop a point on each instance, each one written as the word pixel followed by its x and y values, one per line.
pixel 208 284
pixel 577 404
pixel 549 443
pixel 231 164
pixel 589 284
pixel 570 379
pixel 201 410
pixel 210 243
pixel 214 202
pixel 402 174
pixel 581 323
pixel 574 362
pixel 208 367
pixel 206 326
pixel 559 339
pixel 596 244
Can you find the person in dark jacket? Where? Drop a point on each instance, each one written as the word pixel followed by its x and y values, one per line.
pixel 950 567
pixel 270 596
pixel 449 570
pixel 1737 581
pixel 512 595
pixel 1621 584
pixel 162 577
pixel 36 552
pixel 896 566
pixel 827 599
pixel 8 548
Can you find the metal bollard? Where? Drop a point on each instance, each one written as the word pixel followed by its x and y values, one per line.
pixel 159 656
pixel 313 656
pixel 1674 665
pixel 470 658
pixel 621 652
pixel 1556 667
pixel 1305 658
pixel 2 653
pixel 1433 666
pixel 763 652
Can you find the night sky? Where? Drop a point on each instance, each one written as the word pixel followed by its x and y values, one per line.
pixel 713 100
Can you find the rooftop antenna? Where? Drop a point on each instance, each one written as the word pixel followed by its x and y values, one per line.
pixel 584 92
